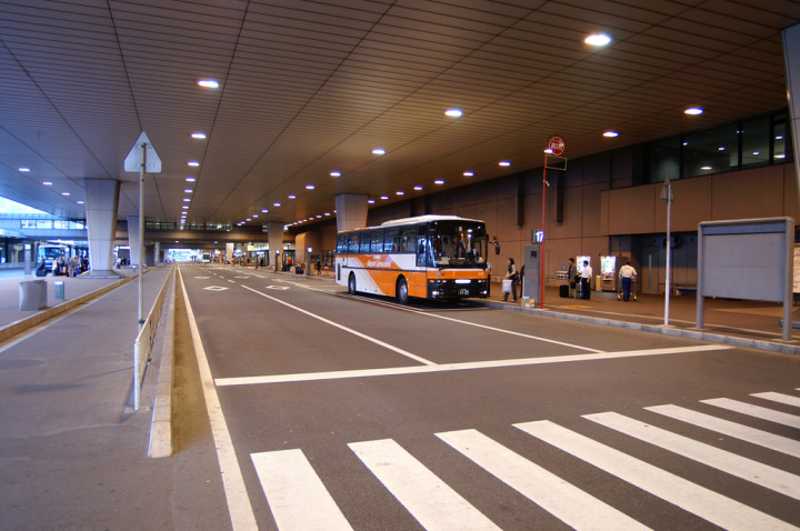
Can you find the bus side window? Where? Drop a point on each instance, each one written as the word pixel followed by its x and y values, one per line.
pixel 408 241
pixel 377 242
pixel 363 246
pixel 389 241
pixel 341 245
pixel 352 244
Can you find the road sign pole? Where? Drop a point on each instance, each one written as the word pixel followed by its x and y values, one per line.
pixel 544 231
pixel 140 265
pixel 667 283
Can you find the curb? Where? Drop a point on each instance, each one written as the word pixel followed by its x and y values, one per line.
pixel 698 335
pixel 20 326
pixel 160 440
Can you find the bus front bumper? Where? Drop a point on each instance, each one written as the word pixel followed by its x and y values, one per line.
pixel 453 289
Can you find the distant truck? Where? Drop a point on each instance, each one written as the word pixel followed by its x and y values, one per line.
pixel 51 252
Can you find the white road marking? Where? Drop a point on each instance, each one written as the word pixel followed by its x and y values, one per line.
pixel 296 495
pixel 485 327
pixel 767 476
pixel 755 436
pixel 430 500
pixel 356 333
pixel 202 278
pixel 563 500
pixel 278 288
pixel 707 504
pixel 231 281
pixel 461 366
pixel 239 508
pixel 763 413
pixel 781 398
pixel 215 288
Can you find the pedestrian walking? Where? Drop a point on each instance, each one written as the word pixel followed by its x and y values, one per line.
pixel 586 280
pixel 509 280
pixel 627 274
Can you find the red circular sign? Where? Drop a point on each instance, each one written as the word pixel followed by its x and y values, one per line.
pixel 556 145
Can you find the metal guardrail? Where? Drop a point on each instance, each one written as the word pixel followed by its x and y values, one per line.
pixel 143 345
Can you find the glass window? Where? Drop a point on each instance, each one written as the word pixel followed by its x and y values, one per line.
pixel 710 151
pixel 363 246
pixel 377 241
pixel 341 244
pixel 47 224
pixel 424 258
pixel 58 224
pixel 755 141
pixel 389 239
pixel 352 243
pixel 406 241
pixel 780 149
pixel 664 159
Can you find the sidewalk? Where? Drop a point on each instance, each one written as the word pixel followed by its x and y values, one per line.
pixel 750 319
pixel 70 455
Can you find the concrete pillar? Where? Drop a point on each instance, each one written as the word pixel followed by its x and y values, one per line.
pixel 791 59
pixel 229 252
pixel 157 253
pixel 351 211
pixel 102 196
pixel 275 240
pixel 133 240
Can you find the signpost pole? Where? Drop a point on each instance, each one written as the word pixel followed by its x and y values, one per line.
pixel 140 265
pixel 544 230
pixel 667 283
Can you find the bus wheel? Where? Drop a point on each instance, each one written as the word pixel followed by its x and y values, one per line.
pixel 402 291
pixel 351 284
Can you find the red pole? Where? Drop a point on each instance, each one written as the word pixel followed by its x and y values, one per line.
pixel 541 245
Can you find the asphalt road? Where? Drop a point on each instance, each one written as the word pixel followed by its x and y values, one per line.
pixel 353 412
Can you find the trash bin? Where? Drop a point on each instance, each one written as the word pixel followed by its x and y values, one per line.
pixel 32 295
pixel 59 290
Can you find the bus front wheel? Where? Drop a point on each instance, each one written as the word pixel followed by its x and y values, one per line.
pixel 402 291
pixel 351 284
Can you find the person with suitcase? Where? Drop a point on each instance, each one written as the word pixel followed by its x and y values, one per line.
pixel 627 274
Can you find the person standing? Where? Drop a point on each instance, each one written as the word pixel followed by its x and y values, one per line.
pixel 626 274
pixel 509 280
pixel 586 280
pixel 572 277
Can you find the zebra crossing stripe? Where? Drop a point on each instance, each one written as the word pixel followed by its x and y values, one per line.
pixel 430 501
pixel 763 413
pixel 781 398
pixel 706 504
pixel 298 499
pixel 767 476
pixel 563 500
pixel 755 436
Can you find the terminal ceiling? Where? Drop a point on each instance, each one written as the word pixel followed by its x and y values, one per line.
pixel 307 87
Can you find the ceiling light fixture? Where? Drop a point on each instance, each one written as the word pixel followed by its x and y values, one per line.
pixel 24 169
pixel 47 183
pixel 454 112
pixel 418 187
pixel 468 173
pixel 504 163
pixel 187 190
pixel 379 151
pixel 370 201
pixel 598 40
pixel 610 133
pixel 265 211
pixel 780 156
pixel 187 200
pixel 705 168
pixel 721 148
pixel 756 153
pixel 193 163
pixel 190 179
pixel 65 194
pixel 208 83
pixel 438 182
pixel 548 151
pixel 310 187
pixel 779 137
pixel 335 173
pixel 199 135
pixel 693 111
pixel 400 193
pixel 327 213
pixel 384 197
pixel 292 196
pixel 80 202
pixel 185 207
pixel 319 216
pixel 276 204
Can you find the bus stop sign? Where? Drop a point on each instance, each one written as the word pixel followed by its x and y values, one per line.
pixel 556 145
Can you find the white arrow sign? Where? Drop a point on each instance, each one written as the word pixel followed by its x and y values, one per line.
pixel 133 162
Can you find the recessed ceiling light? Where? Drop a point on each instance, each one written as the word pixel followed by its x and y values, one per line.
pixel 721 148
pixel 598 39
pixel 65 194
pixel 185 207
pixel 199 135
pixel 208 83
pixel 327 213
pixel 265 211
pixel 292 196
pixel 438 182
pixel 756 153
pixel 384 197
pixel 400 192
pixel 468 173
pixel 611 133
pixel 548 151
pixel 310 187
pixel 504 163
pixel 276 204
pixel 187 190
pixel 378 151
pixel 187 200
pixel 193 163
pixel 371 201
pixel 454 113
pixel 47 183
pixel 779 137
pixel 685 143
pixel 418 187
pixel 705 168
pixel 335 173
pixel 254 216
pixel 319 216
pixel 693 111
pixel 24 170
pixel 190 179
pixel 80 202
pixel 780 156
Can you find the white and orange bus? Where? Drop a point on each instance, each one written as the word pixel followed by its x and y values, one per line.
pixel 428 257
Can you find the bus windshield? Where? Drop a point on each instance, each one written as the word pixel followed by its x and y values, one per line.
pixel 458 243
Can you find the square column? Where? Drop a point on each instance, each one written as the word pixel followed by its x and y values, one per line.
pixel 351 211
pixel 791 59
pixel 275 241
pixel 156 253
pixel 102 196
